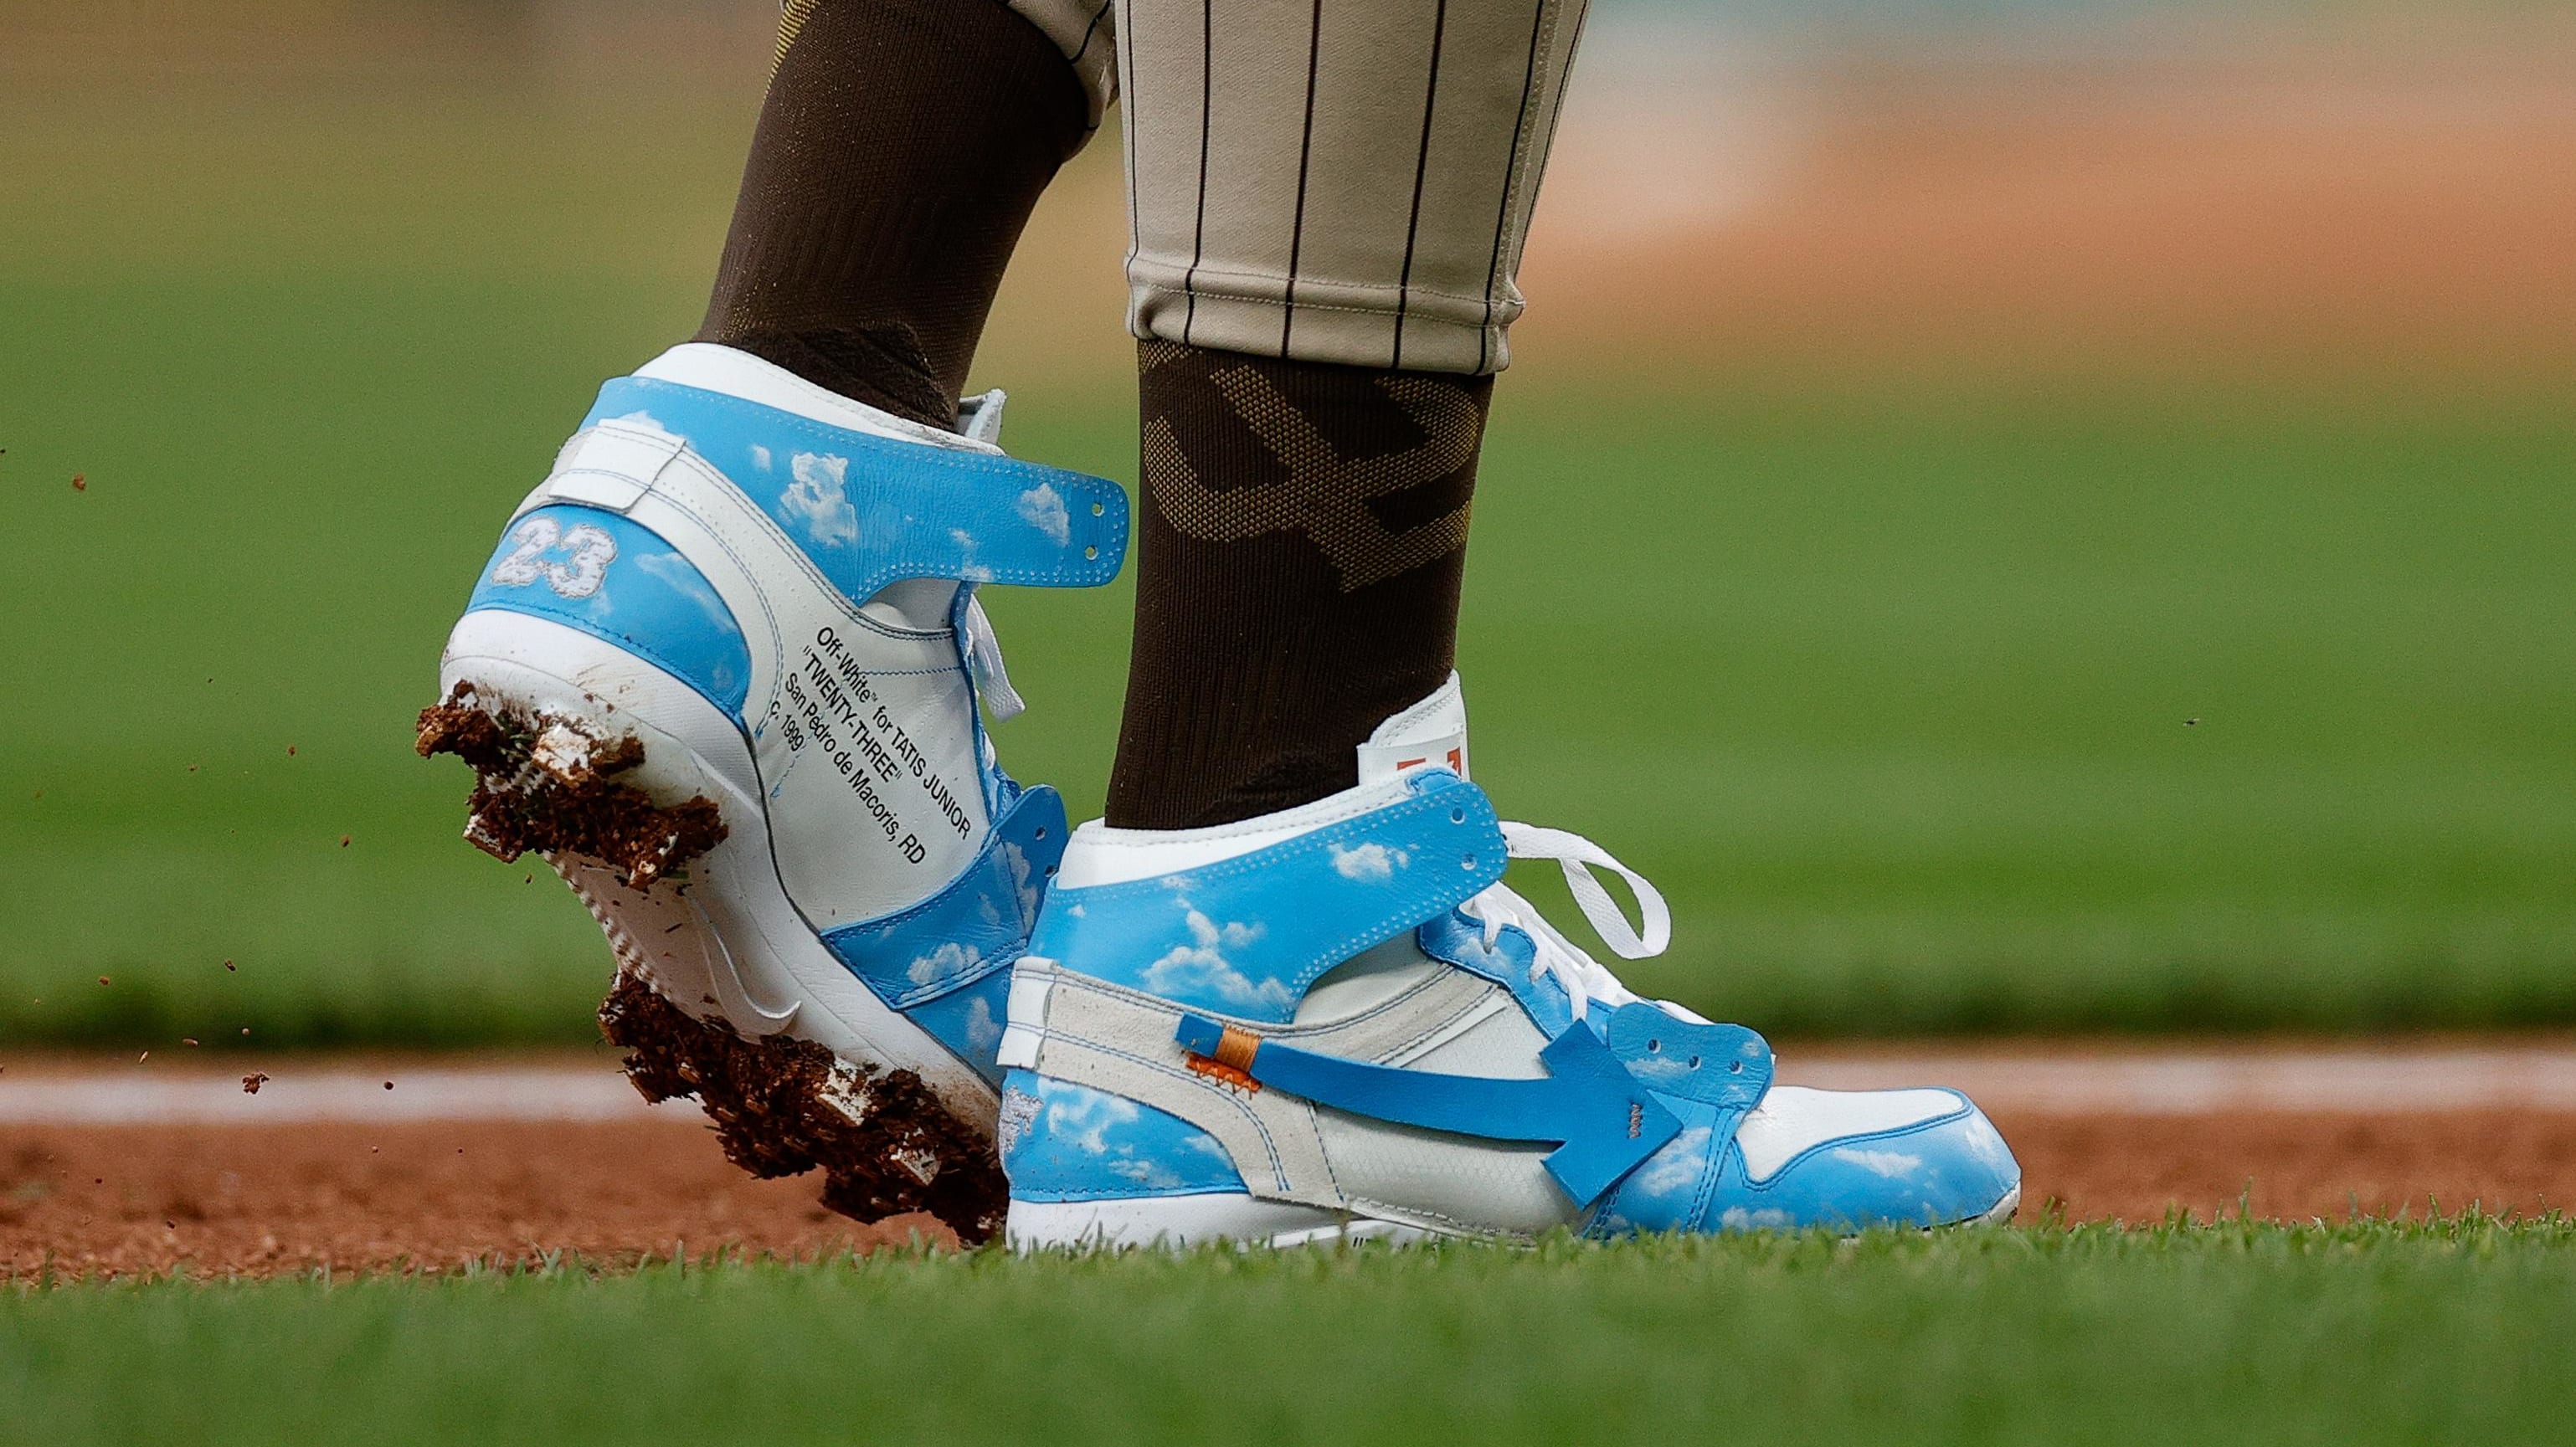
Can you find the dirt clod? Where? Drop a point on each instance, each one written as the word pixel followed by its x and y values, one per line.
pixel 533 790
pixel 781 1107
pixel 253 1081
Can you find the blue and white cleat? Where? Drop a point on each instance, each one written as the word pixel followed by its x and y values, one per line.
pixel 723 672
pixel 1336 1022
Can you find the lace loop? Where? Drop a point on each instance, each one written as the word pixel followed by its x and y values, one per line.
pixel 1581 977
pixel 1578 857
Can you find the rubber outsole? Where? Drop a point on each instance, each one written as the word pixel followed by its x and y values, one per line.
pixel 1174 1223
pixel 554 784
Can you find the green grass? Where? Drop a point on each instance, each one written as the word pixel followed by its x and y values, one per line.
pixel 2463 1330
pixel 1886 685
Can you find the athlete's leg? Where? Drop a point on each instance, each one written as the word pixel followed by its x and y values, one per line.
pixel 1329 202
pixel 1327 1015
pixel 900 150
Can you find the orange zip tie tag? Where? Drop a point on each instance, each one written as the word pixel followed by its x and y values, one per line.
pixel 1232 1062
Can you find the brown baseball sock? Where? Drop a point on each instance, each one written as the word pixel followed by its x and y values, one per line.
pixel 900 150
pixel 1303 532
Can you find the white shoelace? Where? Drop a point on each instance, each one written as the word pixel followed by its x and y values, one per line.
pixel 1582 978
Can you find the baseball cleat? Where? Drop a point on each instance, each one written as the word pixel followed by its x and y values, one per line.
pixel 1336 1022
pixel 723 672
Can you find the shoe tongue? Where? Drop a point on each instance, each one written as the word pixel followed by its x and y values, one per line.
pixel 1431 734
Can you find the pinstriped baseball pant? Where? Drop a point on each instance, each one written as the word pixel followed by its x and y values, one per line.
pixel 1326 180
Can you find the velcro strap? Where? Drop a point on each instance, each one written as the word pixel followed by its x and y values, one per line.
pixel 869 510
pixel 1244 937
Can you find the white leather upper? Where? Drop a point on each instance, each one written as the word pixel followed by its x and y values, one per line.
pixel 1792 1118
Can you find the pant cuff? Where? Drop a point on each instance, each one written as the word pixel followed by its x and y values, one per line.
pixel 1353 325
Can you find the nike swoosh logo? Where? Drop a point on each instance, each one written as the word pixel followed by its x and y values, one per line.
pixel 736 998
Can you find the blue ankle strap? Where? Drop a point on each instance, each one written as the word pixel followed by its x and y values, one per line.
pixel 975 925
pixel 1247 936
pixel 870 510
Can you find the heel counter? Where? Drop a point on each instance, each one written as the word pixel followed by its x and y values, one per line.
pixel 626 585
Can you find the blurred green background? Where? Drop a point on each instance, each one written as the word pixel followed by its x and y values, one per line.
pixel 2021 518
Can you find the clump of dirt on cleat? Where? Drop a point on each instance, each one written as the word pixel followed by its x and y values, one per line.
pixel 781 1107
pixel 547 785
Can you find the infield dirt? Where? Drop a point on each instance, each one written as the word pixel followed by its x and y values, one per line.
pixel 227 1199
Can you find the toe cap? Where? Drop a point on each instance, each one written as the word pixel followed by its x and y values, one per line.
pixel 1924 1158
